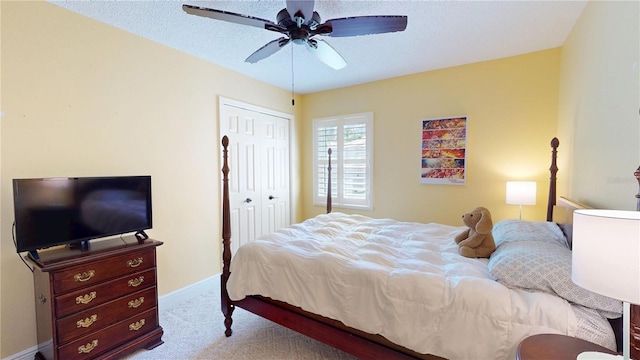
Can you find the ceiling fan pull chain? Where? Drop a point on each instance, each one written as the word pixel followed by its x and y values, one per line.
pixel 293 102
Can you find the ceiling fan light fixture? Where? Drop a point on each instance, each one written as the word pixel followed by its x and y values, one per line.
pixel 325 53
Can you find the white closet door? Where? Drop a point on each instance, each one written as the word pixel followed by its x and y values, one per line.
pixel 275 179
pixel 259 190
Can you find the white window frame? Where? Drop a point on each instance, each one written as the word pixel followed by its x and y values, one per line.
pixel 337 162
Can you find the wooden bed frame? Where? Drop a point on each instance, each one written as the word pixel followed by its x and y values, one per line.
pixel 331 332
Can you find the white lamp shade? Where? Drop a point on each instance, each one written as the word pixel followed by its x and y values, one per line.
pixel 606 253
pixel 521 192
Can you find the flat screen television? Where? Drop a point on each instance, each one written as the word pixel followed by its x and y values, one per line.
pixel 74 210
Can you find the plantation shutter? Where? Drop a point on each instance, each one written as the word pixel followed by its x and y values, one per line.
pixel 350 139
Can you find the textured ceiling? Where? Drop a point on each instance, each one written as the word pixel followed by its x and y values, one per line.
pixel 439 34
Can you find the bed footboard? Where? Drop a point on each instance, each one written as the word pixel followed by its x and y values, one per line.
pixel 226 303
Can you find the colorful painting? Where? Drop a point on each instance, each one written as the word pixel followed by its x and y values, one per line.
pixel 444 146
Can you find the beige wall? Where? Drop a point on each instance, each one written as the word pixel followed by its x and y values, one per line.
pixel 599 101
pixel 512 106
pixel 83 99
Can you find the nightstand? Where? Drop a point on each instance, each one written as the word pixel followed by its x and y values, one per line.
pixel 557 347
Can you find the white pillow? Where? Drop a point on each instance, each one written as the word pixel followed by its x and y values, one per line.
pixel 522 230
pixel 543 266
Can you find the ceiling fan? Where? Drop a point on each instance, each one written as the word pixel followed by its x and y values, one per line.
pixel 300 24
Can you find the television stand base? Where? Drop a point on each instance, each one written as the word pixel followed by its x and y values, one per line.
pixel 33 255
pixel 81 245
pixel 141 236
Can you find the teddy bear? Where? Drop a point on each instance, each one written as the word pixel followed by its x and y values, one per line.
pixel 477 241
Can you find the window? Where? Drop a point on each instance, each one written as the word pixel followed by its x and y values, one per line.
pixel 350 138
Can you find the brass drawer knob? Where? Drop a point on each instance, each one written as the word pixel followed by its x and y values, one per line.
pixel 136 282
pixel 134 263
pixel 85 349
pixel 136 303
pixel 86 298
pixel 87 322
pixel 136 325
pixel 85 276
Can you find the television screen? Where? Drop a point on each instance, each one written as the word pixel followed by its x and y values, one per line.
pixel 56 211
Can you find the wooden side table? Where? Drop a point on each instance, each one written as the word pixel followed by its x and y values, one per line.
pixel 557 347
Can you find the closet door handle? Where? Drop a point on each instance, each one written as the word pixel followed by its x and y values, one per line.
pixel 271 197
pixel 248 200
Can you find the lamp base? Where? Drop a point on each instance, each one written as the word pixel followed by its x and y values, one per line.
pixel 594 355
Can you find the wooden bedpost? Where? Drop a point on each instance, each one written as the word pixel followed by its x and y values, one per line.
pixel 637 175
pixel 227 307
pixel 552 181
pixel 329 183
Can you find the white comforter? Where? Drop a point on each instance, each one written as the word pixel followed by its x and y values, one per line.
pixel 404 281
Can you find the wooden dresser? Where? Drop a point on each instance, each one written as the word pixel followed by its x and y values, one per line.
pixel 97 304
pixel 635 332
pixel 635 309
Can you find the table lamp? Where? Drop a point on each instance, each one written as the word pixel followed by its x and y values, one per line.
pixel 521 193
pixel 606 260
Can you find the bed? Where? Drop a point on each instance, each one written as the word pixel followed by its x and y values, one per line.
pixel 379 288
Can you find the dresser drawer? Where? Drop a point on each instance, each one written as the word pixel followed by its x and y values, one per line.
pixel 84 299
pixel 85 322
pixel 635 343
pixel 634 352
pixel 101 341
pixel 84 275
pixel 635 332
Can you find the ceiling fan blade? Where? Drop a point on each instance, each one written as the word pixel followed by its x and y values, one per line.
pixel 232 17
pixel 305 7
pixel 269 49
pixel 363 25
pixel 325 53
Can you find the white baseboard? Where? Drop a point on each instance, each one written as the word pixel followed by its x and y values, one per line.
pixel 27 354
pixel 164 302
pixel 189 292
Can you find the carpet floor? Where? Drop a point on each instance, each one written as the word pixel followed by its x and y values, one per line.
pixel 195 330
